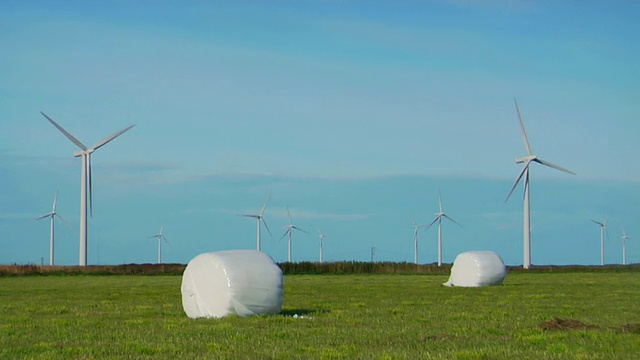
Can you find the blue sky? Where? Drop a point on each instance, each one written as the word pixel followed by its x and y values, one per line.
pixel 353 114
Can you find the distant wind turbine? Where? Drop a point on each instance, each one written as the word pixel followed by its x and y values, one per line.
pixel 439 215
pixel 527 160
pixel 290 228
pixel 160 236
pixel 321 236
pixel 416 227
pixel 52 215
pixel 624 247
pixel 603 226
pixel 260 218
pixel 85 184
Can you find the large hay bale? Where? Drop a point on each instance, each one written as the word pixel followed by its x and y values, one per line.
pixel 477 268
pixel 240 282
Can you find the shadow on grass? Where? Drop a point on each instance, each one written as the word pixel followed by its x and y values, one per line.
pixel 303 312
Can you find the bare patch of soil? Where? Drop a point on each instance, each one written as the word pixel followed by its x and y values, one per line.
pixel 629 328
pixel 436 337
pixel 565 324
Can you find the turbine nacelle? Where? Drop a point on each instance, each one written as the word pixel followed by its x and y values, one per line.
pixel 85 152
pixel 520 160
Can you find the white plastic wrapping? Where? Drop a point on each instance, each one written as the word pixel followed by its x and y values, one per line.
pixel 241 282
pixel 477 268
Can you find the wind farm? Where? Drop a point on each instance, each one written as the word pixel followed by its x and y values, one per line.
pixel 336 116
pixel 357 144
pixel 441 256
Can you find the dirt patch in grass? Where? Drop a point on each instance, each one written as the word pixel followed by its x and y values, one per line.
pixel 565 324
pixel 436 337
pixel 629 328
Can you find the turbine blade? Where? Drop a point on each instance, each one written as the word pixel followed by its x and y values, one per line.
pixel 248 215
pixel 289 214
pixel 597 222
pixel 524 133
pixel 266 226
pixel 65 132
pixel 64 221
pixel 106 140
pixel 297 228
pixel 265 205
pixel 44 216
pixel 433 222
pixel 165 239
pixel 455 222
pixel 55 201
pixel 440 200
pixel 546 163
pixel 285 233
pixel 524 169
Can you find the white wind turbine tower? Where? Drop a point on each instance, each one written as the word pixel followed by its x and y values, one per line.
pixel 321 236
pixel 527 160
pixel 85 184
pixel 603 226
pixel 160 236
pixel 260 218
pixel 439 216
pixel 624 247
pixel 52 215
pixel 416 227
pixel 290 228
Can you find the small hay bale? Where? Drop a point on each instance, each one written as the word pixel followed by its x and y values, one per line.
pixel 477 268
pixel 236 282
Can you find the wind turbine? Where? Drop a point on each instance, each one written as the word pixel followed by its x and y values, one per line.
pixel 439 215
pixel 527 160
pixel 321 236
pixel 624 247
pixel 160 237
pixel 416 227
pixel 603 226
pixel 52 215
pixel 260 218
pixel 289 230
pixel 85 183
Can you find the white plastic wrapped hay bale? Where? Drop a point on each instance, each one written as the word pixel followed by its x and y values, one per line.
pixel 477 268
pixel 240 282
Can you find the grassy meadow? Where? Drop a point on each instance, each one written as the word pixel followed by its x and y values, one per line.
pixel 339 316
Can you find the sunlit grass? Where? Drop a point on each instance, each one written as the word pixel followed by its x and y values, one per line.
pixel 342 316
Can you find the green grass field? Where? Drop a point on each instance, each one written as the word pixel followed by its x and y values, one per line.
pixel 344 316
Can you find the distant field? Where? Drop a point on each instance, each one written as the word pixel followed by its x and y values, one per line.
pixel 344 316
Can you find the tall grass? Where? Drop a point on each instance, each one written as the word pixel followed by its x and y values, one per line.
pixel 298 268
